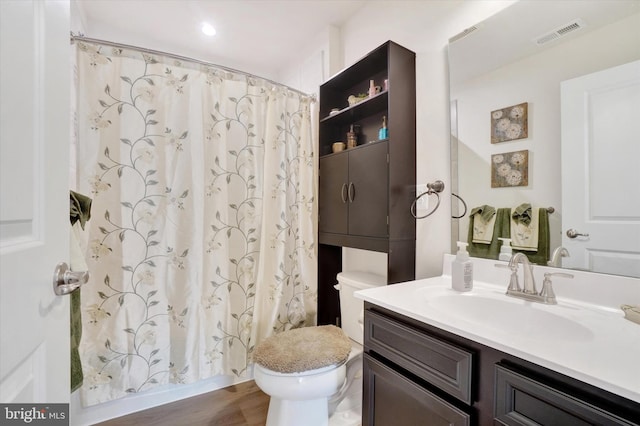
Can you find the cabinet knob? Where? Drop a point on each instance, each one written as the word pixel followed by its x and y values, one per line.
pixel 352 192
pixel 343 193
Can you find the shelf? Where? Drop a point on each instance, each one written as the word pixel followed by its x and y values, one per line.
pixel 360 146
pixel 358 111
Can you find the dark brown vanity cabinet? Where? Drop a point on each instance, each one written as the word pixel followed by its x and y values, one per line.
pixel 417 374
pixel 399 362
pixel 365 192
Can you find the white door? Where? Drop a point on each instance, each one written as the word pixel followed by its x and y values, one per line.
pixel 34 200
pixel 601 170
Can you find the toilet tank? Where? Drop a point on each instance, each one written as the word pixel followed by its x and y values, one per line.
pixel 351 308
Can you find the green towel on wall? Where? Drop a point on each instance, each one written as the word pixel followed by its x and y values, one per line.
pixel 486 212
pixel 79 211
pixel 76 334
pixel 541 256
pixel 522 213
pixel 501 229
pixel 79 208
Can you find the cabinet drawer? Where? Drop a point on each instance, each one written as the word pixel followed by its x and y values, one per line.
pixel 438 362
pixel 392 399
pixel 522 400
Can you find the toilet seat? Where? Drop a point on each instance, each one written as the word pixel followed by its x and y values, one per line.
pixel 313 372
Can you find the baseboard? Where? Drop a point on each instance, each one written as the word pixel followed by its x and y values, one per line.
pixel 85 416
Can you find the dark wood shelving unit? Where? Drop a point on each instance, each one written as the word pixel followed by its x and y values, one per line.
pixel 365 193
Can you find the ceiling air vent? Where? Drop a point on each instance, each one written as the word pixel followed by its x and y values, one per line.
pixel 463 34
pixel 575 25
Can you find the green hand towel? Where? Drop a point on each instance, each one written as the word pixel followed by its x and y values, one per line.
pixel 522 213
pixel 79 208
pixel 501 229
pixel 76 334
pixel 541 256
pixel 79 211
pixel 486 212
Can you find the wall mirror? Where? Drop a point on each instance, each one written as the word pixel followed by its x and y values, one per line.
pixel 559 66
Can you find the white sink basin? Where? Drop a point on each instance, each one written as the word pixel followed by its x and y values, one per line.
pixel 502 313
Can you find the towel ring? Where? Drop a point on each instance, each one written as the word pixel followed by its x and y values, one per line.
pixel 432 188
pixel 463 203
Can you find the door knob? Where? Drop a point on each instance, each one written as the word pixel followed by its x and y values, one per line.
pixel 66 281
pixel 572 233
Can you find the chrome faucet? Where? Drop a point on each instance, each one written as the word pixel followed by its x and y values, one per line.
pixel 530 292
pixel 558 253
pixel 529 282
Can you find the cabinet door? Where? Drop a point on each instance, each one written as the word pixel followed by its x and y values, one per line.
pixel 333 207
pixel 390 399
pixel 369 191
pixel 523 401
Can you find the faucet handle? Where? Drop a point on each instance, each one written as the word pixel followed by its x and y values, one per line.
pixel 514 284
pixel 547 286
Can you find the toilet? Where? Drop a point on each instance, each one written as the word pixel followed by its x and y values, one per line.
pixel 313 382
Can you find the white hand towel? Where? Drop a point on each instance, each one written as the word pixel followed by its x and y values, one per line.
pixel 525 237
pixel 483 230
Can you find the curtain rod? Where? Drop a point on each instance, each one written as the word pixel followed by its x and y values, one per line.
pixel 184 58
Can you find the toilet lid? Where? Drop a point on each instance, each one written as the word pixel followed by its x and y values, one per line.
pixel 303 349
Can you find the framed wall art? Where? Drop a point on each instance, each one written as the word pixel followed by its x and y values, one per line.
pixel 509 123
pixel 510 169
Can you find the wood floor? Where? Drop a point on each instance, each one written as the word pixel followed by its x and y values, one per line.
pixel 243 404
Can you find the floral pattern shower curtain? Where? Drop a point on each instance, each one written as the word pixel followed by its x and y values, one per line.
pixel 202 237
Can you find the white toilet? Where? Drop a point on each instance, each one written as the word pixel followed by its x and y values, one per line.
pixel 327 394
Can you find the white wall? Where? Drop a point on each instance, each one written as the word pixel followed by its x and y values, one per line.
pixel 536 80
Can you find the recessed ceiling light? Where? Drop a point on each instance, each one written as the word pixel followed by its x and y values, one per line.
pixel 208 29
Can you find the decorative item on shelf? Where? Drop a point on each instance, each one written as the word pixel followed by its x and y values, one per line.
pixel 338 146
pixel 354 99
pixel 334 111
pixel 383 133
pixel 352 138
pixel 385 85
pixel 373 89
pixel 509 123
pixel 510 169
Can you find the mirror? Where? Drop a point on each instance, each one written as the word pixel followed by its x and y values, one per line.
pixel 525 54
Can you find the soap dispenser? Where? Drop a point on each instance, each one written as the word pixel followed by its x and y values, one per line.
pixel 505 250
pixel 462 269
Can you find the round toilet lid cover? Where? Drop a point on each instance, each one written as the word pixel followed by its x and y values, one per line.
pixel 303 349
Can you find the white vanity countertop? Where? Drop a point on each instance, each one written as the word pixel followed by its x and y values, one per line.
pixel 591 343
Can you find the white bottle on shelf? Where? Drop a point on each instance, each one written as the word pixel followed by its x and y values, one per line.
pixel 462 269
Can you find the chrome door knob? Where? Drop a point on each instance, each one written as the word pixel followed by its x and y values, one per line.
pixel 572 233
pixel 66 281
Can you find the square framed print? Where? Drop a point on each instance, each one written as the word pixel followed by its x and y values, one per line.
pixel 510 169
pixel 510 123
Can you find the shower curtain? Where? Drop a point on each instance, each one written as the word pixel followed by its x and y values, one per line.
pixel 202 236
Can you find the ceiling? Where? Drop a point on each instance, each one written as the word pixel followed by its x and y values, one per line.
pixel 469 57
pixel 256 36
